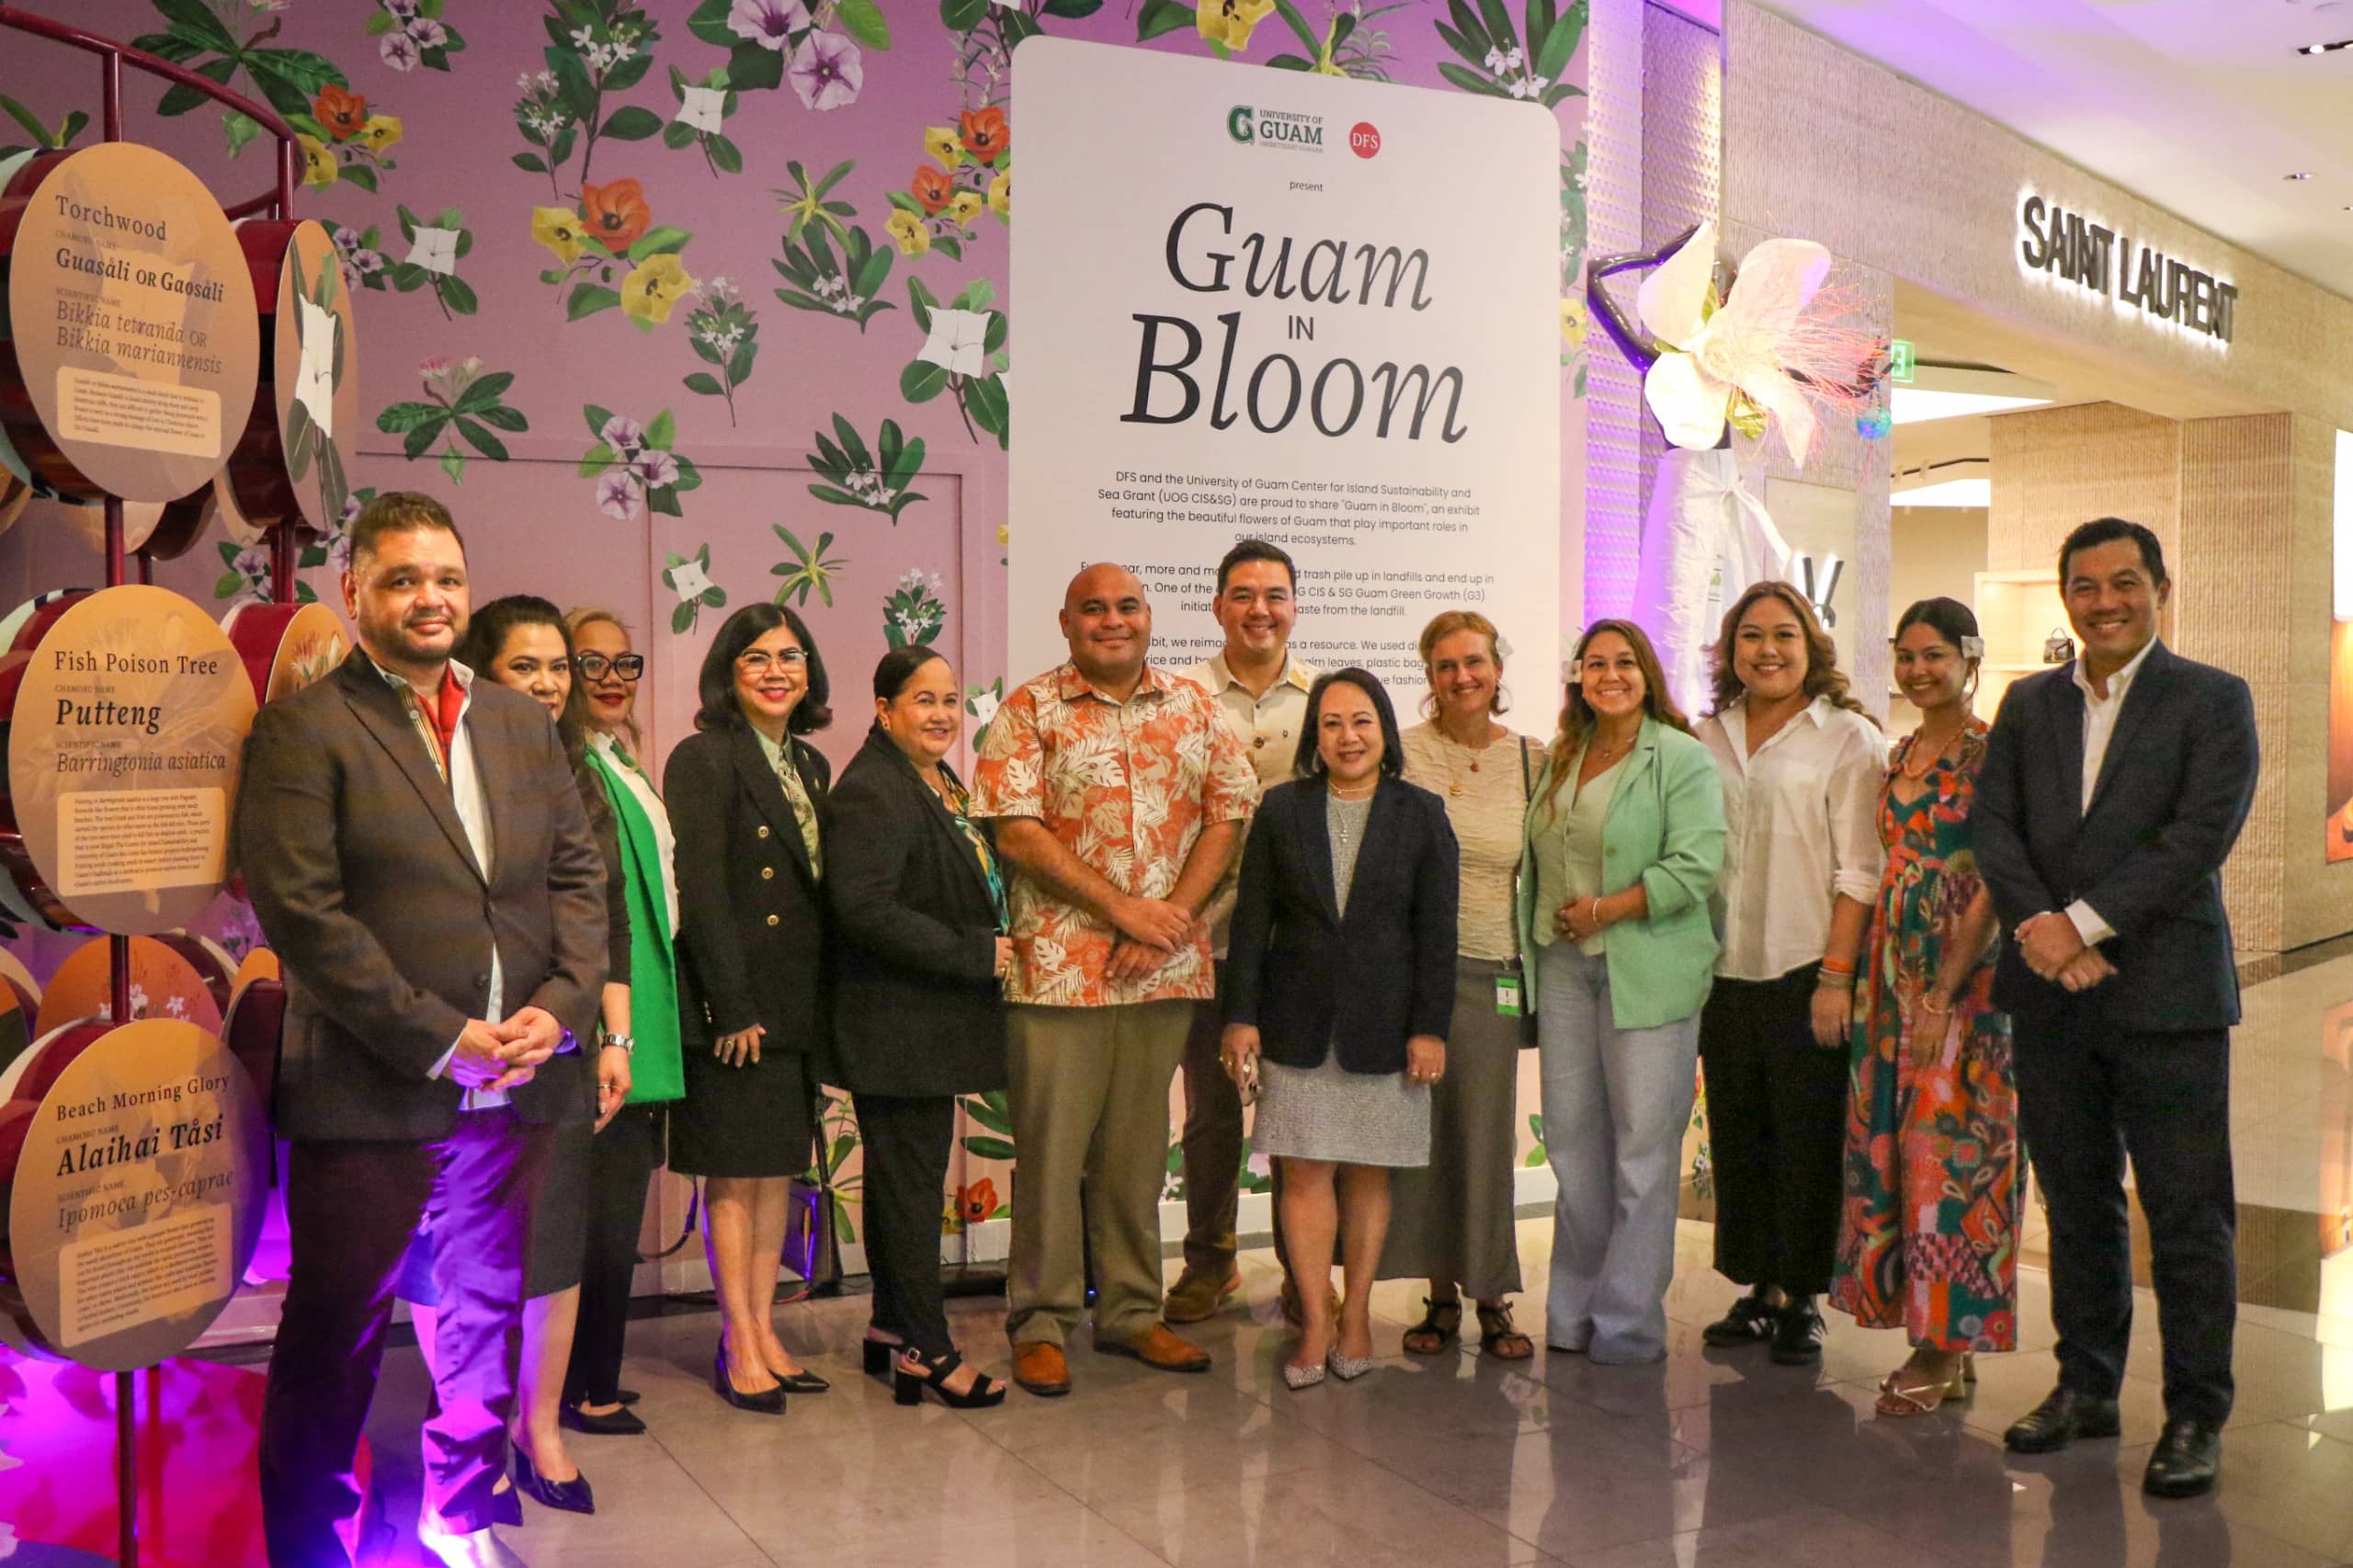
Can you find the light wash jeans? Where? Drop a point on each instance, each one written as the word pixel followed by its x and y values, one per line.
pixel 1616 1103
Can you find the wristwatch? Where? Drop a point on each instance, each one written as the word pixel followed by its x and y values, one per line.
pixel 624 1042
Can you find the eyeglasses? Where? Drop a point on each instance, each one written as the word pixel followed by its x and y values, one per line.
pixel 758 660
pixel 594 666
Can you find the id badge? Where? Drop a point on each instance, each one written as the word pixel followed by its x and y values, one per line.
pixel 1508 995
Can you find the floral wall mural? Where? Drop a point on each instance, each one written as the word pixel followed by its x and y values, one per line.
pixel 758 248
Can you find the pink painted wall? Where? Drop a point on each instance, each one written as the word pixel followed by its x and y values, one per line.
pixel 429 139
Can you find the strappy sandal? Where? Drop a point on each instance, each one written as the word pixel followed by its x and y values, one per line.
pixel 1897 1398
pixel 915 1373
pixel 1498 1338
pixel 1440 1326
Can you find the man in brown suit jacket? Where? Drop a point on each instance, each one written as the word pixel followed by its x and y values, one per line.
pixel 419 860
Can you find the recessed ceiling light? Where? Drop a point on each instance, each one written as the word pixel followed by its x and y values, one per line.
pixel 2306 175
pixel 2330 48
pixel 1946 492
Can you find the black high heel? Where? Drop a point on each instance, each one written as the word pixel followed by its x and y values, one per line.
pixel 880 1353
pixel 573 1496
pixel 768 1401
pixel 907 1385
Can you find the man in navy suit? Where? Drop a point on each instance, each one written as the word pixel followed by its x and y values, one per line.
pixel 2113 790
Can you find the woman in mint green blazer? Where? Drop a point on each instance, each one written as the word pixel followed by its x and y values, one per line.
pixel 1623 846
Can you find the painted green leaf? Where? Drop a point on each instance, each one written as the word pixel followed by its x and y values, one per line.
pixel 662 239
pixel 632 123
pixel 703 382
pixel 587 299
pixel 1162 16
pixel 863 20
pixel 725 156
pixel 922 380
pixel 962 16
pixel 987 1148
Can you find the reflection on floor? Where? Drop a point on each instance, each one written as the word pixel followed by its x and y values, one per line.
pixel 1711 1459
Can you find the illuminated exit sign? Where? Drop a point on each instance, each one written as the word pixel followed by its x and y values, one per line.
pixel 1899 360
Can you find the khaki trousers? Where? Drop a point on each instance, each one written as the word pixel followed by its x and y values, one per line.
pixel 1088 1090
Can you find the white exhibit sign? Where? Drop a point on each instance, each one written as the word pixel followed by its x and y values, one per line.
pixel 1307 309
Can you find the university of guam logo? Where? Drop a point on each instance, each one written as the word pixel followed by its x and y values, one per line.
pixel 1242 124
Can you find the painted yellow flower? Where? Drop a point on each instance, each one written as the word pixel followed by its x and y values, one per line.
pixel 319 169
pixel 379 131
pixel 1001 196
pixel 965 205
pixel 1231 22
pixel 909 232
pixel 1573 320
pixel 939 141
pixel 558 228
pixel 653 286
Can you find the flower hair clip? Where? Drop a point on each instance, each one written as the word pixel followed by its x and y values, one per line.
pixel 1973 647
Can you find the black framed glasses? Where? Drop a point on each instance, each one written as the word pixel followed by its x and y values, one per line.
pixel 596 666
pixel 758 660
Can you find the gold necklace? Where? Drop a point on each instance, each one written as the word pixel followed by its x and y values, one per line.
pixel 1935 754
pixel 1453 774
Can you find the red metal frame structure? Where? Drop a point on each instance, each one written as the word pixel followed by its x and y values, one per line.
pixel 278 202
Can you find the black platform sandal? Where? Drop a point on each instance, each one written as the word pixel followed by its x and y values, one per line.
pixel 908 1384
pixel 880 1353
pixel 1440 1326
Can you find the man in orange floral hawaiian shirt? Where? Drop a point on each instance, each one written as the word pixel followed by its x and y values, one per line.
pixel 1120 796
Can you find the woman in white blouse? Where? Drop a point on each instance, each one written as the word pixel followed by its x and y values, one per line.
pixel 1802 766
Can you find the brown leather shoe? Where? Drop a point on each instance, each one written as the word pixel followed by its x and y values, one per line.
pixel 1042 1367
pixel 1195 1298
pixel 1156 1347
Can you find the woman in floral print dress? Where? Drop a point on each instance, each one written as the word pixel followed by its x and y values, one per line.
pixel 1928 1240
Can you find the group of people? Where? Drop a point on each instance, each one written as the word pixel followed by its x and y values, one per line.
pixel 521 977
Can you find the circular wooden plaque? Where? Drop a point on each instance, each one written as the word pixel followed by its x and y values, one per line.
pixel 132 325
pixel 123 753
pixel 137 1198
pixel 164 984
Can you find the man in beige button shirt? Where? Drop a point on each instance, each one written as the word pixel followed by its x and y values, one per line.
pixel 1261 693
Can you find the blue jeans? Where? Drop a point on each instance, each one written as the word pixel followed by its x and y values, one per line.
pixel 1616 1103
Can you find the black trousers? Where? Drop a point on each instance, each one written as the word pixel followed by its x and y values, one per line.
pixel 908 1139
pixel 1776 1133
pixel 2089 1095
pixel 621 1161
pixel 351 1210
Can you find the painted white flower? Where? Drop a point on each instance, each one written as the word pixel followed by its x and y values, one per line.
pixel 688 578
pixel 984 704
pixel 400 51
pixel 523 80
pixel 655 470
pixel 583 36
pixel 702 110
pixel 428 33
pixel 1496 62
pixel 315 376
pixel 622 434
pixel 1004 383
pixel 435 250
pixel 957 343
pixel 1514 58
pixel 446 377
pixel 618 494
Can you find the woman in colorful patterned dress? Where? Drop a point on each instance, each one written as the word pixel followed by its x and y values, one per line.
pixel 1928 1239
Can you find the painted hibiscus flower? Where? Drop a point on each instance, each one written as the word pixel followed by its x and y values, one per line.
pixel 616 215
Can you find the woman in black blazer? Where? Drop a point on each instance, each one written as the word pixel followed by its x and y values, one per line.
pixel 917 907
pixel 742 795
pixel 1339 987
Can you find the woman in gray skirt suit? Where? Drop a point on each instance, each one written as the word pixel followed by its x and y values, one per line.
pixel 1338 989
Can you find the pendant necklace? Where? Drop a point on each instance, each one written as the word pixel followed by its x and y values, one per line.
pixel 1453 777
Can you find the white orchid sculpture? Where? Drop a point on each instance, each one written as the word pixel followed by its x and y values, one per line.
pixel 1757 359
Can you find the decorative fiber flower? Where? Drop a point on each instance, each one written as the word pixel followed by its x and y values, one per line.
pixel 940 142
pixel 558 228
pixel 622 434
pixel 653 287
pixel 617 495
pixel 986 133
pixel 319 169
pixel 768 23
pixel 1001 196
pixel 965 205
pixel 932 187
pixel 655 470
pixel 1231 22
pixel 827 73
pixel 428 33
pixel 616 215
pixel 1754 348
pixel 907 229
pixel 400 51
pixel 379 131
pixel 342 112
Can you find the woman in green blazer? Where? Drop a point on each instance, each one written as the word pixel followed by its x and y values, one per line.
pixel 1623 844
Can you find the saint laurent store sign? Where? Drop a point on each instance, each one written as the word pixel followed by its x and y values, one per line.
pixel 2076 250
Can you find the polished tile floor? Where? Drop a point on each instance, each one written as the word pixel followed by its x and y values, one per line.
pixel 1709 1458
